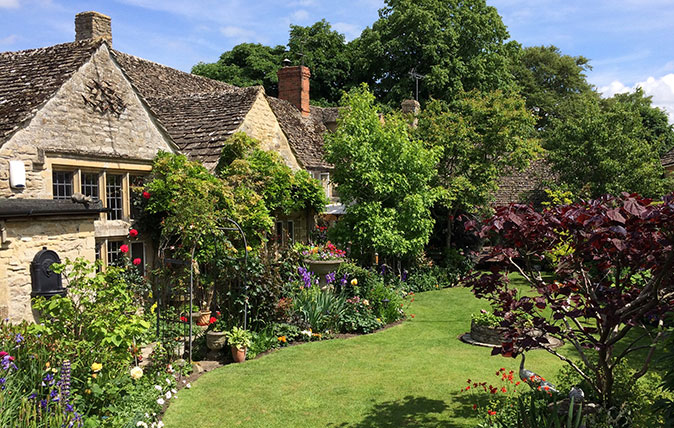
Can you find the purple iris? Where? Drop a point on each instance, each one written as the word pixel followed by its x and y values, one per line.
pixel 330 278
pixel 306 276
pixel 18 338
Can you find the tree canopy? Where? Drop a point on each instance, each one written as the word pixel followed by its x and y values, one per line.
pixel 384 177
pixel 457 45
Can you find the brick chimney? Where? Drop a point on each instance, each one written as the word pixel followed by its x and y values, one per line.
pixel 92 25
pixel 293 86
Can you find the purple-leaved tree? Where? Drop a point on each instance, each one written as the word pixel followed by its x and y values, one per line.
pixel 613 275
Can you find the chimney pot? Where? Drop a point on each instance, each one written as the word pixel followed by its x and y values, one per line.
pixel 93 25
pixel 293 86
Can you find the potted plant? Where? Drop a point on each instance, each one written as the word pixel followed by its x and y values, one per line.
pixel 485 327
pixel 216 336
pixel 204 315
pixel 239 340
pixel 323 259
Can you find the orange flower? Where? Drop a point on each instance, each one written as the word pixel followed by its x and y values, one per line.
pixel 282 339
pixel 491 412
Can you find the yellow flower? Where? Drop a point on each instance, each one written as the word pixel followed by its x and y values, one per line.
pixel 354 281
pixel 153 307
pixel 436 286
pixel 96 367
pixel 136 373
pixel 47 364
pixel 379 320
pixel 249 248
pixel 87 391
pixel 93 375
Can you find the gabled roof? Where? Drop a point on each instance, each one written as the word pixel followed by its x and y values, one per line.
pixel 305 134
pixel 200 123
pixel 29 78
pixel 668 159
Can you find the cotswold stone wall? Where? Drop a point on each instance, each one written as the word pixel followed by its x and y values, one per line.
pixel 70 238
pixel 261 123
pixel 94 115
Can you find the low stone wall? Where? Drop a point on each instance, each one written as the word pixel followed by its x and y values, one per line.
pixel 22 240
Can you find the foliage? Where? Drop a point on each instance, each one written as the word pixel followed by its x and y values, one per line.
pixel 487 319
pixel 244 165
pixel 607 148
pixel 247 64
pixel 384 178
pixel 96 321
pixel 457 45
pixel 358 317
pixel 536 415
pixel 551 82
pixel 325 52
pixel 600 291
pixel 666 405
pixel 321 309
pixel 238 337
pixel 480 137
pixel 634 399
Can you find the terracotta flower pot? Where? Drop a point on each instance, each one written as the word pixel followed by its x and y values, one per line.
pixel 215 340
pixel 204 317
pixel 239 355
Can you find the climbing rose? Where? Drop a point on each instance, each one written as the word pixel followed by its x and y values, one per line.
pixel 136 373
pixel 133 233
pixel 146 195
pixel 137 261
pixel 124 248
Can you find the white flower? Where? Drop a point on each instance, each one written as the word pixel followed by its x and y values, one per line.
pixel 147 416
pixel 365 302
pixel 160 401
pixel 188 386
pixel 174 390
pixel 168 395
pixel 160 424
pixel 141 424
pixel 136 373
pixel 306 332
pixel 157 387
pixel 168 381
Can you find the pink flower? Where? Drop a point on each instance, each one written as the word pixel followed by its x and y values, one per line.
pixel 146 195
pixel 124 248
pixel 137 261
pixel 133 233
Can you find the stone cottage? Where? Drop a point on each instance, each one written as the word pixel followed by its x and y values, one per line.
pixel 80 124
pixel 668 162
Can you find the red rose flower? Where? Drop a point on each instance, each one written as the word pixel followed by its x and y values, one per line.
pixel 133 233
pixel 212 320
pixel 491 412
pixel 146 195
pixel 124 248
pixel 137 261
pixel 183 319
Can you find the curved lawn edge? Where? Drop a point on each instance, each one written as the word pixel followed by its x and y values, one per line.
pixel 407 375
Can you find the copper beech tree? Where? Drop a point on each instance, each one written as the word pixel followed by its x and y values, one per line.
pixel 613 276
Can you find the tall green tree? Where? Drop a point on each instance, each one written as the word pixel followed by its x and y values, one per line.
pixel 608 148
pixel 459 45
pixel 247 64
pixel 324 51
pixel 479 136
pixel 551 82
pixel 384 180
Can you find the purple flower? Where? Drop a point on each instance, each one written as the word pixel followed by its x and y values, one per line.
pixel 306 276
pixel 343 281
pixel 18 338
pixel 404 276
pixel 330 278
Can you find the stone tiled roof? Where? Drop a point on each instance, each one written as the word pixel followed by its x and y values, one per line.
pixel 524 186
pixel 200 123
pixel 29 78
pixel 305 134
pixel 668 159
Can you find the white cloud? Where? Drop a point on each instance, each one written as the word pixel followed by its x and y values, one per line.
pixel 299 15
pixel 350 31
pixel 9 39
pixel 241 35
pixel 9 4
pixel 661 89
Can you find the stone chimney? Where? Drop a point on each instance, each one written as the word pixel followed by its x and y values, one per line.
pixel 412 108
pixel 92 25
pixel 293 86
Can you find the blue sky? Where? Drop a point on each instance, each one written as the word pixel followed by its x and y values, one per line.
pixel 629 42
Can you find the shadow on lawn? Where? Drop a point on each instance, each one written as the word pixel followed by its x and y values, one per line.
pixel 407 412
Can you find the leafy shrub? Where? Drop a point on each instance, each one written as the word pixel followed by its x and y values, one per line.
pixel 322 310
pixel 365 279
pixel 387 302
pixel 359 317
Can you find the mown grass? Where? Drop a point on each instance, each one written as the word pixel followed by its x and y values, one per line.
pixel 408 375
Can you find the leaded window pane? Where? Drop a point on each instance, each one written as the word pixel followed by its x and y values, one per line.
pixel 113 190
pixel 90 185
pixel 62 184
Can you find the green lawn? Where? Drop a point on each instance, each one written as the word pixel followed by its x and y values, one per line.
pixel 408 375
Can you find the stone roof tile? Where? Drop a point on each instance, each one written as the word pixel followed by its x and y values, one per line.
pixel 29 78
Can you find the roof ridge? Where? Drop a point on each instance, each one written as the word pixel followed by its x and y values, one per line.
pixel 95 44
